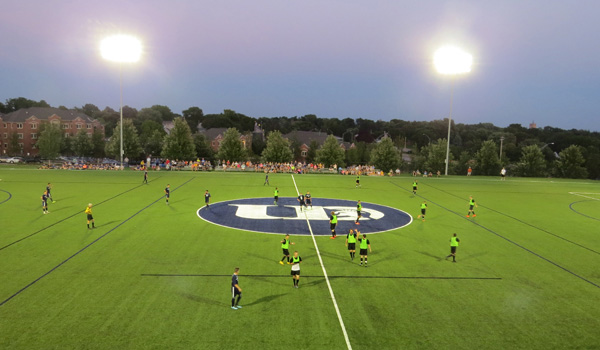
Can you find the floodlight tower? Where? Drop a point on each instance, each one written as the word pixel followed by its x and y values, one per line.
pixel 450 60
pixel 121 49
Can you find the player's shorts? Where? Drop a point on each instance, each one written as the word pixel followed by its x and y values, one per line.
pixel 168 195
pixel 358 213
pixel 295 273
pixel 470 207
pixel 206 201
pixel 453 249
pixel 423 211
pixel 90 217
pixel 351 246
pixel 44 204
pixel 302 203
pixel 235 291
pixel 286 252
pixel 503 175
pixel 276 197
pixel 363 252
pixel 357 181
pixel 414 188
pixel 309 201
pixel 332 226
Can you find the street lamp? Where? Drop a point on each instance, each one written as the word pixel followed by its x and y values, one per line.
pixel 546 145
pixel 121 49
pixel 449 60
pixel 428 138
pixel 501 142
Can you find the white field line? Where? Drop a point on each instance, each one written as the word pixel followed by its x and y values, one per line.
pixel 583 194
pixel 335 305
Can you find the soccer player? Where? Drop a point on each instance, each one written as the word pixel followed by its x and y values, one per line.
pixel 333 224
pixel 206 198
pixel 276 196
pixel 45 202
pixel 296 260
pixel 308 199
pixel 351 243
pixel 301 201
pixel 469 171
pixel 357 181
pixel 285 245
pixel 415 184
pixel 423 210
pixel 90 218
pixel 145 176
pixel 358 210
pixel 453 245
pixel 236 291
pixel 167 193
pixel 364 244
pixel 503 174
pixel 472 205
pixel 267 179
pixel 48 188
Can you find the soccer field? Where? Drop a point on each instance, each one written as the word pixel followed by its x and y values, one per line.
pixel 157 276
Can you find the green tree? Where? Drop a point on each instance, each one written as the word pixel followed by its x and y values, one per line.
pixel 98 144
pixel 311 154
pixel 571 163
pixel 50 141
pixel 435 156
pixel 131 142
pixel 488 162
pixel 14 104
pixel 385 156
pixel 203 149
pixel 152 135
pixel 232 148
pixel 532 163
pixel 193 116
pixel 179 144
pixel 66 146
pixel 82 144
pixel 90 110
pixel 13 144
pixel 330 153
pixel 278 149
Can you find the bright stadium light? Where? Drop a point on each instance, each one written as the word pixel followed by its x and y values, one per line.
pixel 122 49
pixel 450 60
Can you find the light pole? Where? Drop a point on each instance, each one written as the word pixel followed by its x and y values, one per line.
pixel 501 141
pixel 121 49
pixel 449 60
pixel 546 145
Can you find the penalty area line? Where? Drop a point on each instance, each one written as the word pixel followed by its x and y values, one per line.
pixel 340 276
pixel 335 305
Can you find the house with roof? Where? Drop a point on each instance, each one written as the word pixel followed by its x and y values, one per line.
pixel 26 124
pixel 305 138
pixel 215 137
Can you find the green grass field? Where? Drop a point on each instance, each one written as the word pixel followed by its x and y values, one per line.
pixel 527 276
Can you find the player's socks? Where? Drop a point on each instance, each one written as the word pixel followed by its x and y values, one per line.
pixel 365 262
pixel 350 255
pixel 88 225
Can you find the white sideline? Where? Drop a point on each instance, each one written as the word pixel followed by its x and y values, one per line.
pixel 335 305
pixel 582 194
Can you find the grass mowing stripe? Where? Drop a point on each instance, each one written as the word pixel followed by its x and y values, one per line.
pixel 335 305
pixel 336 276
pixel 87 246
pixel 68 217
pixel 525 222
pixel 587 216
pixel 9 196
pixel 508 240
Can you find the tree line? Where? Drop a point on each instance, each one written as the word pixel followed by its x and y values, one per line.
pixel 545 151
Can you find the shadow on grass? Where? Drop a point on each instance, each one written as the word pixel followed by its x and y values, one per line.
pixel 203 300
pixel 314 283
pixel 106 224
pixel 436 257
pixel 265 299
pixel 473 256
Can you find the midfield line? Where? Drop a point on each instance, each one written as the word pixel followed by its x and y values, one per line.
pixel 335 305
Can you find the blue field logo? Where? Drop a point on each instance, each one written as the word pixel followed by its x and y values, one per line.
pixel 261 215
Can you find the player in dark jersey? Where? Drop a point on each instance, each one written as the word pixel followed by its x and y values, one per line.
pixel 308 199
pixel 267 179
pixel 48 188
pixel 358 212
pixel 236 290
pixel 45 202
pixel 145 176
pixel 301 201
pixel 351 242
pixel 167 193
pixel 206 198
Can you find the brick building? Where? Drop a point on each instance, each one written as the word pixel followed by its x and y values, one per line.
pixel 26 123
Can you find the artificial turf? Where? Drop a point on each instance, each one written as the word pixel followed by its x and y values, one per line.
pixel 152 276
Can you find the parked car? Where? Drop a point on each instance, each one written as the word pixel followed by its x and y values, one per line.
pixel 14 160
pixel 3 159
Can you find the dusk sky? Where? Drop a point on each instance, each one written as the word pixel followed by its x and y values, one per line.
pixel 533 60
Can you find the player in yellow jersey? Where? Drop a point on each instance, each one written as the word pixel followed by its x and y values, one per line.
pixel 90 218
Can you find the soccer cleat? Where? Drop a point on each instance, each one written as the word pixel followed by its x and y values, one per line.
pixel 358 223
pixel 238 306
pixel 234 308
pixel 331 237
pixel 467 215
pixel 281 262
pixel 474 215
pixel 418 216
pixel 423 220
